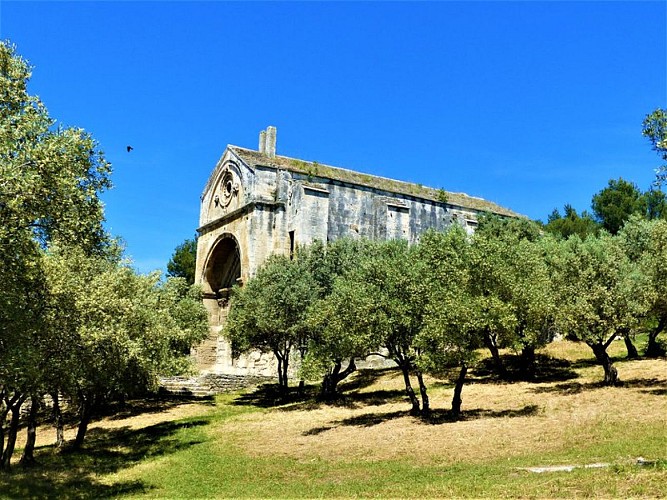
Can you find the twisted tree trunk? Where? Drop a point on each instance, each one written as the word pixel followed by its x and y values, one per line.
pixel 426 407
pixel 653 348
pixel 329 387
pixel 14 404
pixel 408 389
pixel 610 372
pixel 632 350
pixel 88 404
pixel 28 457
pixel 458 388
pixel 58 420
pixel 492 346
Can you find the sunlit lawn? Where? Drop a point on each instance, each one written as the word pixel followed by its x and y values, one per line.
pixel 367 445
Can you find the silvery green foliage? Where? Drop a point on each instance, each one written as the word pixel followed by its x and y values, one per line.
pixel 269 313
pixel 645 243
pixel 50 180
pixel 601 292
pixel 655 129
pixel 122 330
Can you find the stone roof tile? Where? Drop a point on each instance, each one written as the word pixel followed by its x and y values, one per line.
pixel 314 169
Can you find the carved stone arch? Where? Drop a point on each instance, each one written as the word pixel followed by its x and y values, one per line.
pixel 223 266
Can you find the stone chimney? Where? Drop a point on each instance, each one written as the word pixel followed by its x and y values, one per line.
pixel 267 142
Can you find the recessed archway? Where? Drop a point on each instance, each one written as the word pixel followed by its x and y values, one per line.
pixel 223 268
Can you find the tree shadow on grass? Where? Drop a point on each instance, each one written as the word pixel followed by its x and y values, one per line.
pixel 270 396
pixel 364 378
pixel 547 369
pixel 156 404
pixel 365 420
pixel 652 386
pixel 354 400
pixel 567 388
pixel 74 474
pixel 589 362
pixel 435 417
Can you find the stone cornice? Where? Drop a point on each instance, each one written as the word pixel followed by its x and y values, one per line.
pixel 235 214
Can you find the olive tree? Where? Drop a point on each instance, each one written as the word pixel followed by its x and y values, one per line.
pixel 50 181
pixel 451 332
pixel 114 331
pixel 511 257
pixel 645 243
pixel 269 313
pixel 655 129
pixel 601 293
pixel 336 337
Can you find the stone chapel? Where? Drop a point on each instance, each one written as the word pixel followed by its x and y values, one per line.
pixel 256 203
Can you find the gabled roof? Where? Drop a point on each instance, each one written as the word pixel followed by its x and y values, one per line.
pixel 314 169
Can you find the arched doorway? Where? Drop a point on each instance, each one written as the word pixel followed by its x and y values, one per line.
pixel 223 268
pixel 221 272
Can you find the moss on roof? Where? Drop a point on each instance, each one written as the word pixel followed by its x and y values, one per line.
pixel 315 169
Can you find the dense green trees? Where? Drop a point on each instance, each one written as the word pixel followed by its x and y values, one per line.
pixel 601 294
pixel 451 333
pixel 645 244
pixel 571 223
pixel 655 129
pixel 269 312
pixel 431 306
pixel 122 330
pixel 75 321
pixel 337 335
pixel 50 180
pixel 614 205
pixel 183 261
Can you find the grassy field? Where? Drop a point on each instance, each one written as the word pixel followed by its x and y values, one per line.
pixel 367 445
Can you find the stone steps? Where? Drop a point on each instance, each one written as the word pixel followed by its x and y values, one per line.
pixel 179 386
pixel 213 383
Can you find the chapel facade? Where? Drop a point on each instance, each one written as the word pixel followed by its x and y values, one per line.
pixel 257 203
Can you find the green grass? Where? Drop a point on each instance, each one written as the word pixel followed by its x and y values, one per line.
pixel 249 446
pixel 220 469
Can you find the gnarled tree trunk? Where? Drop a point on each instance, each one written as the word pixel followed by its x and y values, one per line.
pixel 458 388
pixel 14 406
pixel 329 387
pixel 492 346
pixel 87 406
pixel 408 389
pixel 28 457
pixel 632 350
pixel 283 360
pixel 653 348
pixel 426 407
pixel 610 373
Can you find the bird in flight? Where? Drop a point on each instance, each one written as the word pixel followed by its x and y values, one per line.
pixel 129 148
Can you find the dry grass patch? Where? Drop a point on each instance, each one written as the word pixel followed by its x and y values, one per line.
pixel 501 420
pixel 137 415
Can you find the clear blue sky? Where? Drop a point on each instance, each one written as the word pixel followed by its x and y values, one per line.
pixel 529 104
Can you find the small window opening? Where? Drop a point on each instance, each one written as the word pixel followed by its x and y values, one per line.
pixel 291 245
